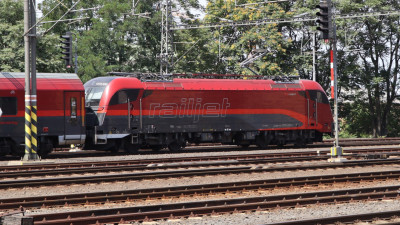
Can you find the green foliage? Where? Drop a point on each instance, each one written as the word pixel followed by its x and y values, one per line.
pixel 393 129
pixel 48 54
pixel 117 39
pixel 235 44
pixel 11 40
pixel 371 43
pixel 12 53
pixel 355 120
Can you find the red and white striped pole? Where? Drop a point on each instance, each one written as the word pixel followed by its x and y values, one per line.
pixel 336 151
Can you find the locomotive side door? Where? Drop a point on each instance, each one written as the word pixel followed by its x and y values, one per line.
pixel 131 114
pixel 133 111
pixel 311 105
pixel 133 117
pixel 312 102
pixel 73 119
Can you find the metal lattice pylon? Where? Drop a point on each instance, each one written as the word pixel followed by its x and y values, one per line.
pixel 166 54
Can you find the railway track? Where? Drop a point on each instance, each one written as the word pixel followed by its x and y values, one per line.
pixel 236 166
pixel 386 218
pixel 162 161
pixel 101 198
pixel 150 167
pixel 64 153
pixel 200 208
pixel 6 184
pixel 364 140
pixel 273 157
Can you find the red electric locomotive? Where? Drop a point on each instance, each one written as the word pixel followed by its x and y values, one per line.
pixel 125 112
pixel 60 112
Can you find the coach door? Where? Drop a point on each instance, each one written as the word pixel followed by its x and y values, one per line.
pixel 73 116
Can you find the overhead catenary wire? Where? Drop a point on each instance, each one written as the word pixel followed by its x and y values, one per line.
pixel 283 20
pixel 66 20
pixel 73 6
pixel 186 52
pixel 41 19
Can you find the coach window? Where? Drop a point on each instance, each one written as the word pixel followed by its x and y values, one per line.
pixel 8 105
pixel 73 108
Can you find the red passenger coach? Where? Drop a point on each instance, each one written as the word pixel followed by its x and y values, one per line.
pixel 136 114
pixel 60 111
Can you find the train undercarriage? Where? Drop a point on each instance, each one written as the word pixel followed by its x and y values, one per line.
pixel 10 146
pixel 178 141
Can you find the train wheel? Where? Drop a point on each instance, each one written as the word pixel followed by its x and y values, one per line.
pixel 45 148
pixel 300 142
pixel 18 151
pixel 5 147
pixel 130 148
pixel 115 147
pixel 174 146
pixel 244 145
pixel 261 142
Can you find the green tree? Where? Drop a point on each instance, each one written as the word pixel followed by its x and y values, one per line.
pixel 372 43
pixel 114 37
pixel 234 44
pixel 12 54
pixel 11 39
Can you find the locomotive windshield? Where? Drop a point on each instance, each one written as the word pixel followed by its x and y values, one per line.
pixel 94 90
pixel 93 95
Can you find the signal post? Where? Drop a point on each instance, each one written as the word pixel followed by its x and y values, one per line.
pixel 328 32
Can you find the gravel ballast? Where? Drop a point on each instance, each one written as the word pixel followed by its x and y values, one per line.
pixel 248 218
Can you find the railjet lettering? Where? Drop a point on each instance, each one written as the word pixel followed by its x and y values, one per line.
pixel 189 107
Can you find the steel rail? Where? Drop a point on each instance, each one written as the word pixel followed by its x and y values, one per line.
pixel 363 140
pixel 146 167
pixel 187 209
pixel 177 173
pixel 168 192
pixel 52 166
pixel 259 162
pixel 349 219
pixel 156 161
pixel 326 143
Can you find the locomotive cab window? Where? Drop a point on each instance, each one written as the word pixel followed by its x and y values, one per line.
pixel 93 95
pixel 8 105
pixel 318 96
pixel 121 97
